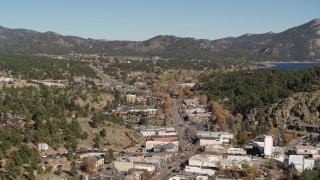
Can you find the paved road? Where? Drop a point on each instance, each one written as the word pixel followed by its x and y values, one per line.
pixel 183 141
pixel 114 82
pixel 176 120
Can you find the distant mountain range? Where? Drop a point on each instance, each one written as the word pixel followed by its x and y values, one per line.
pixel 295 44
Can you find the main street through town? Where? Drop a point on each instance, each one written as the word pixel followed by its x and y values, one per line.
pixel 184 142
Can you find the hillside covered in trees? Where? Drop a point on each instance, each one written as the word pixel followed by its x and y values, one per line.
pixel 65 118
pixel 245 90
pixel 33 67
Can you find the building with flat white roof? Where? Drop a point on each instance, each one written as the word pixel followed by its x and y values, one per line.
pixel 300 163
pixel 160 131
pixel 297 162
pixel 144 165
pixel 198 170
pixel 236 151
pixel 180 177
pixel 43 146
pixel 204 160
pixel 208 138
pixel 306 150
pixel 235 162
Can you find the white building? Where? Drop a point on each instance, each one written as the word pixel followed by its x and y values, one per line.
pixel 268 145
pixel 208 138
pixel 161 131
pixel 131 98
pixel 209 141
pixel 179 177
pixel 148 132
pixel 195 110
pixel 235 162
pixel 198 170
pixel 278 153
pixel 143 165
pixel 6 79
pixel 236 151
pixel 300 163
pixel 306 150
pixel 43 146
pixel 202 178
pixel 186 85
pixel 308 164
pixel 204 160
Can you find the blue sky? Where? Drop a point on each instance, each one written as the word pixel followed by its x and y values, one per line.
pixel 144 19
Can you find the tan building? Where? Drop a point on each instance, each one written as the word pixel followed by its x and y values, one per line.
pixel 123 166
pixel 131 98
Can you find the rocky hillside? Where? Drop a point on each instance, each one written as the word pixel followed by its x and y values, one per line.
pixel 117 136
pixel 298 43
pixel 299 108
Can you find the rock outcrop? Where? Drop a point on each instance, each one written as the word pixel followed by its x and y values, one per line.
pixel 299 108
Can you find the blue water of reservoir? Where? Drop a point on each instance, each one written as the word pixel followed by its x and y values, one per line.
pixel 292 66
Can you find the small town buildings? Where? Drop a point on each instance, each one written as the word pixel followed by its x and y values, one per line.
pixel 238 162
pixel 43 146
pixel 204 160
pixel 158 131
pixel 276 152
pixel 157 146
pixel 164 138
pixel 209 141
pixel 208 138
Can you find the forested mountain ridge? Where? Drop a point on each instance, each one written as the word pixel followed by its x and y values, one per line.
pixel 297 43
